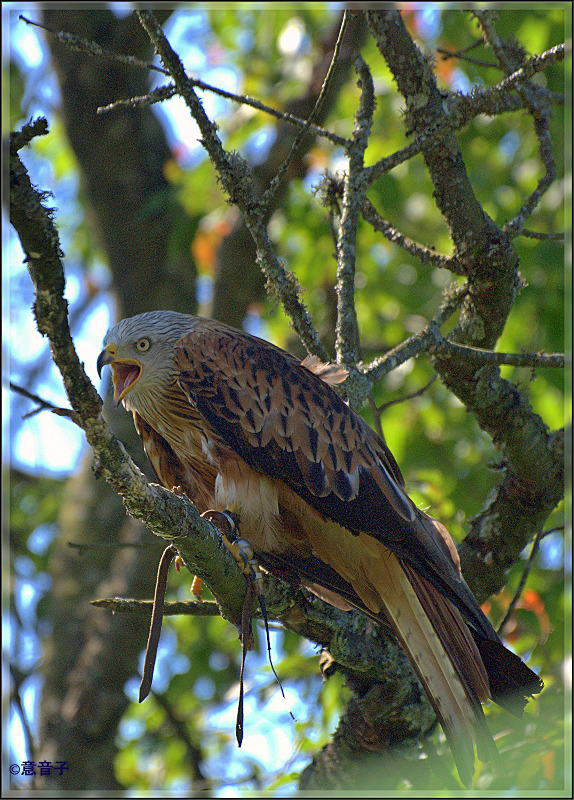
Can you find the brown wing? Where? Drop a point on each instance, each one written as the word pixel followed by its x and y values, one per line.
pixel 277 410
pixel 288 424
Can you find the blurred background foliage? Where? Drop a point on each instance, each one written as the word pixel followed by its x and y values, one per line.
pixel 184 733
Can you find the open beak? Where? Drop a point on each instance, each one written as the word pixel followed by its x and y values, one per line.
pixel 126 371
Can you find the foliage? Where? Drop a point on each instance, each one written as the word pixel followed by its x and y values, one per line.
pixel 450 465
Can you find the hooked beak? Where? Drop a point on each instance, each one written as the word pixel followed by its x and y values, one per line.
pixel 126 371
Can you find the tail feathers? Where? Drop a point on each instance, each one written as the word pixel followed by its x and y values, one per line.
pixel 511 681
pixel 448 662
pixel 464 653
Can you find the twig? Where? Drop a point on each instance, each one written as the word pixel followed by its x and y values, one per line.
pixel 424 254
pixel 92 48
pixel 537 105
pixel 169 90
pixel 419 341
pixel 406 397
pixel 522 582
pixel 107 545
pixel 43 405
pixel 355 186
pixel 469 47
pixel 446 54
pixel 527 70
pixel 463 108
pixel 193 608
pixel 445 346
pixel 237 180
pixel 430 340
pixel 536 235
pixel 271 190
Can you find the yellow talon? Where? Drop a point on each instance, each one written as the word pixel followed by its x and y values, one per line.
pixel 179 563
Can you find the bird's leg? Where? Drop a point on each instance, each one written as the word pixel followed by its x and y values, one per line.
pixel 240 549
pixel 242 552
pixel 228 524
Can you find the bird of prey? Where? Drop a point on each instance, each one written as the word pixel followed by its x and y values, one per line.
pixel 242 426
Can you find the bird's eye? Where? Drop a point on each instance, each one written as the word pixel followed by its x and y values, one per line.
pixel 143 345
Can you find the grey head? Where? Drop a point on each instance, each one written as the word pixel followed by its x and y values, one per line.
pixel 141 351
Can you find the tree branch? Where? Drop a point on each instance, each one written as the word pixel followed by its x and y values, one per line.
pixel 168 515
pixel 536 102
pixel 355 186
pixel 237 180
pixel 270 193
pixel 170 90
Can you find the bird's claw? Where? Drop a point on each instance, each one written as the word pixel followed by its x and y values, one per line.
pixel 240 549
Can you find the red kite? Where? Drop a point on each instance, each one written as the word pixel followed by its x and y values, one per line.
pixel 243 426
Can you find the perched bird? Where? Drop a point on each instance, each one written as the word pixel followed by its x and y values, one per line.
pixel 243 426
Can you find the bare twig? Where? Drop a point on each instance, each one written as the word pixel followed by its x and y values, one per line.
pixel 107 545
pixel 537 235
pixel 522 582
pixel 271 190
pixel 430 340
pixel 447 54
pixel 91 48
pixel 355 186
pixel 406 397
pixel 463 108
pixel 537 104
pixel 445 346
pixel 43 405
pixel 237 180
pixel 193 608
pixel 527 70
pixel 417 343
pixel 169 90
pixel 424 254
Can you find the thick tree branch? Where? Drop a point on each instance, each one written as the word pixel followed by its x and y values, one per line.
pixel 168 515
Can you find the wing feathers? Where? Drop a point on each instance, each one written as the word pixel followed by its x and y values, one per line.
pixel 331 374
pixel 218 370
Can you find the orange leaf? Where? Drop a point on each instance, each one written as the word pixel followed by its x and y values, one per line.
pixel 548 760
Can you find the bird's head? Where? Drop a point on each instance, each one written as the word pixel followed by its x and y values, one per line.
pixel 140 351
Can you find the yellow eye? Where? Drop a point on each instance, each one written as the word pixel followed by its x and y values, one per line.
pixel 143 345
